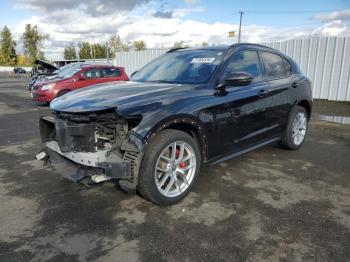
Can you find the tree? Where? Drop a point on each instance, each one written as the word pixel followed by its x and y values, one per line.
pixel 69 52
pixel 180 44
pixel 139 45
pixel 99 50
pixel 92 51
pixel 117 45
pixel 7 48
pixel 205 44
pixel 85 51
pixel 32 43
pixel 22 60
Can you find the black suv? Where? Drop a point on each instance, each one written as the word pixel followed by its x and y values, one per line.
pixel 186 107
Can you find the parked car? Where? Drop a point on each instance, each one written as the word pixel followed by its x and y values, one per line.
pixel 19 70
pixel 187 107
pixel 50 74
pixel 41 70
pixel 76 77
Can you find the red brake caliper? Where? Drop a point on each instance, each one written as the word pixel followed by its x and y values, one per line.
pixel 182 164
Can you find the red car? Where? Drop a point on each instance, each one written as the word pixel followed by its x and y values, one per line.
pixel 77 77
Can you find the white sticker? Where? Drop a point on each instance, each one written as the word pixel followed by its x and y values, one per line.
pixel 202 60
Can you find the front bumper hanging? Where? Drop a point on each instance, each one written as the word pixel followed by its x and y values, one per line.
pixel 99 165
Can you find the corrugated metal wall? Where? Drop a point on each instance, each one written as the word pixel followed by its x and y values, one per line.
pixel 134 60
pixel 325 60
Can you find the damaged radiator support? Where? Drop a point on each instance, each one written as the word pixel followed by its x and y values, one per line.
pixel 90 145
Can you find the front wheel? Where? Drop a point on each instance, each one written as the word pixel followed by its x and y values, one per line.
pixel 295 133
pixel 169 168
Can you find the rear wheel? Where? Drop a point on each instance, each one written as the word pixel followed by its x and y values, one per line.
pixel 169 168
pixel 296 130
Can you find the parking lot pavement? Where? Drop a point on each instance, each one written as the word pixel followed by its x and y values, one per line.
pixel 268 205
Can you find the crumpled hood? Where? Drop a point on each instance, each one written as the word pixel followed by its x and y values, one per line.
pixel 115 94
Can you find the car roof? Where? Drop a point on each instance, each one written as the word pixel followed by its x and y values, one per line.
pixel 98 66
pixel 226 47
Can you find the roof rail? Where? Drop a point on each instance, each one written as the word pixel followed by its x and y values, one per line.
pixel 177 48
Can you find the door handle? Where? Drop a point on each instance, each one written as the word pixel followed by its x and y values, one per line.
pixel 295 84
pixel 263 93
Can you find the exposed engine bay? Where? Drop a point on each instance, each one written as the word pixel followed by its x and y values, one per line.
pixel 98 145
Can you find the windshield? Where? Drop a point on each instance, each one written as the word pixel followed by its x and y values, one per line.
pixel 182 66
pixel 68 71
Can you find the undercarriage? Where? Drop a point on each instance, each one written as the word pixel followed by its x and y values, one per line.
pixel 97 146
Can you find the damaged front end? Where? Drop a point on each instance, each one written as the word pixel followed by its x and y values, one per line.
pixel 99 146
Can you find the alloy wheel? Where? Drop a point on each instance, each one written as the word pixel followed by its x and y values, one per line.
pixel 175 169
pixel 299 128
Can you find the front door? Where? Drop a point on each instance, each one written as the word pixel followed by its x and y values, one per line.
pixel 91 76
pixel 245 106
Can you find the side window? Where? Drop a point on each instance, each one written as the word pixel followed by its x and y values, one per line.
pixel 92 73
pixel 287 67
pixel 111 72
pixel 273 65
pixel 245 62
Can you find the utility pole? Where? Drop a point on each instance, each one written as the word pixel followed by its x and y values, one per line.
pixel 240 26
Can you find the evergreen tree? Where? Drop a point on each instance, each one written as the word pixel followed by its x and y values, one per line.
pixel 7 48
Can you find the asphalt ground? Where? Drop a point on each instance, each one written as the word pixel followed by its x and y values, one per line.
pixel 268 205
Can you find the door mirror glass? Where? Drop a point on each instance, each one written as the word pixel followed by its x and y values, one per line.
pixel 238 79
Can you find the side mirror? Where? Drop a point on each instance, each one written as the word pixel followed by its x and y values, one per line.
pixel 79 78
pixel 238 79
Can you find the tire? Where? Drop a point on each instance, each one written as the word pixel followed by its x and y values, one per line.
pixel 289 140
pixel 161 169
pixel 63 92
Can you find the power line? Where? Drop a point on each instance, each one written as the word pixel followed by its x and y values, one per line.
pixel 289 11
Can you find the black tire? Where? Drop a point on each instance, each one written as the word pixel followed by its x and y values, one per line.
pixel 146 185
pixel 287 138
pixel 63 92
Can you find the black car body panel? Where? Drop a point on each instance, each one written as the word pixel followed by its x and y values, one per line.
pixel 227 121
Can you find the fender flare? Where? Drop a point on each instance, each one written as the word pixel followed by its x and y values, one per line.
pixel 191 120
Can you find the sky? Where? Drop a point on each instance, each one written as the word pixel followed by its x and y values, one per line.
pixel 161 23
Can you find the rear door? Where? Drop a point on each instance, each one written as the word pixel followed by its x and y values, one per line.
pixel 280 91
pixel 110 74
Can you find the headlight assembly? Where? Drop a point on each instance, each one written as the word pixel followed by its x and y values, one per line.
pixel 48 86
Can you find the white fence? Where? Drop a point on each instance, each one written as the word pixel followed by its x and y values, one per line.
pixel 325 60
pixel 10 69
pixel 134 60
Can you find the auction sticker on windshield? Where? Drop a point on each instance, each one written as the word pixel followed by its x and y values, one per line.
pixel 202 60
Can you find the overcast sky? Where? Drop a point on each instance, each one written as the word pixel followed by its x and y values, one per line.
pixel 161 23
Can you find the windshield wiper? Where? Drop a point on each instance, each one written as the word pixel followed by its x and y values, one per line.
pixel 164 81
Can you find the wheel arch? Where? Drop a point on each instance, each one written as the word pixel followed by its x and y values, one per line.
pixel 185 123
pixel 59 93
pixel 306 105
